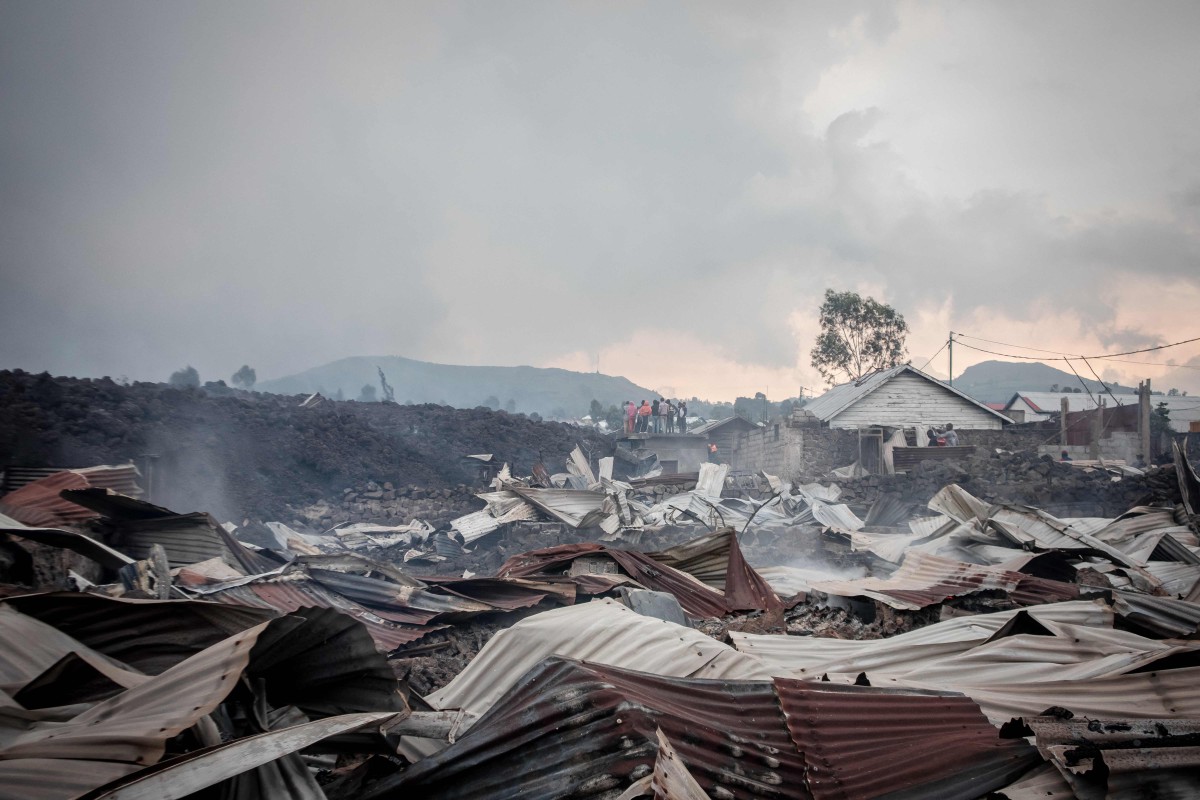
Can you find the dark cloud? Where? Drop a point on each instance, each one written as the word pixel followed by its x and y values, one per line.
pixel 288 183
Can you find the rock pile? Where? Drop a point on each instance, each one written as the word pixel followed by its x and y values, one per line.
pixel 237 454
pixel 1024 478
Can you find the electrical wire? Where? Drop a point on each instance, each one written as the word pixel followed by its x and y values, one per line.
pixel 1063 356
pixel 935 355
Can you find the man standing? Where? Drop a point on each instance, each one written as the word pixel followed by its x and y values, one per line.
pixel 643 422
pixel 712 453
pixel 630 415
pixel 656 420
pixel 681 416
pixel 950 435
pixel 670 417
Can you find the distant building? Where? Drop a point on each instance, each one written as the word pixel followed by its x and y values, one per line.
pixel 683 452
pixel 1038 406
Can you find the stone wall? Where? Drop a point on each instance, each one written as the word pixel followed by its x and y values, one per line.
pixel 1013 440
pixel 1024 478
pixel 809 452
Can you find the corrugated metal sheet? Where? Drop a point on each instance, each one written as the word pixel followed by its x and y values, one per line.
pixel 810 656
pixel 1031 528
pixel 861 743
pixel 130 729
pixel 147 635
pixel 1143 758
pixel 568 729
pixel 717 560
pixel 187 774
pixel 924 580
pixel 601 632
pixel 1158 616
pixel 1150 695
pixel 697 599
pixel 571 506
pixel 39 503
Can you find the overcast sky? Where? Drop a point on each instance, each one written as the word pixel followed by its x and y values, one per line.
pixel 667 187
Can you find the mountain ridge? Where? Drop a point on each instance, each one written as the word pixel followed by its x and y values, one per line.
pixel 550 391
pixel 998 381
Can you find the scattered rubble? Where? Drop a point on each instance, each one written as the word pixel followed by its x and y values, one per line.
pixel 567 634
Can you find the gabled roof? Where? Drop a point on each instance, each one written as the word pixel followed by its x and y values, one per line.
pixel 842 396
pixel 1051 402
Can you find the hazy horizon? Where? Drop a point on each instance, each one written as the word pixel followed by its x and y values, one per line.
pixel 667 188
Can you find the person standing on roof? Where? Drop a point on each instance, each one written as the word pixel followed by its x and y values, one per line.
pixel 670 417
pixel 950 435
pixel 630 416
pixel 655 419
pixel 643 422
pixel 681 416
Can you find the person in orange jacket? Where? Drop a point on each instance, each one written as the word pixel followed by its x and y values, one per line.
pixel 643 417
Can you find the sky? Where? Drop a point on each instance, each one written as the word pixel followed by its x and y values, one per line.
pixel 663 189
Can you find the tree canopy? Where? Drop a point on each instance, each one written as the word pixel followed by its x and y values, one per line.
pixel 859 335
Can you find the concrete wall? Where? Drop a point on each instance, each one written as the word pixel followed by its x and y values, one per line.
pixel 1118 445
pixel 908 400
pixel 793 453
pixel 689 452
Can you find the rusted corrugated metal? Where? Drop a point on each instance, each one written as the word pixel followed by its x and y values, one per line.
pixel 860 743
pixel 716 559
pixel 696 599
pixel 40 503
pixel 1145 758
pixel 924 580
pixel 570 729
pixel 292 595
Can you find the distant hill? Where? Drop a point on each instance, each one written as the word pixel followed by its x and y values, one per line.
pixel 549 392
pixel 997 381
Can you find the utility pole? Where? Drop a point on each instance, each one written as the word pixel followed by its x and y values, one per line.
pixel 951 345
pixel 1144 419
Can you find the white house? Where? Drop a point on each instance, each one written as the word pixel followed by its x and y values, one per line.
pixel 902 397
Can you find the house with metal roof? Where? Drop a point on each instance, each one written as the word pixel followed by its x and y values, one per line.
pixel 902 397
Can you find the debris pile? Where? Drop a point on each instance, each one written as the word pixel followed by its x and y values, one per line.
pixel 1022 477
pixel 711 640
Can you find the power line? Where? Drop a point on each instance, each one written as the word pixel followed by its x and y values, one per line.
pixel 1065 356
pixel 935 355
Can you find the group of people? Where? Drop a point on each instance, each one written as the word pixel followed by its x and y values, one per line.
pixel 946 437
pixel 661 416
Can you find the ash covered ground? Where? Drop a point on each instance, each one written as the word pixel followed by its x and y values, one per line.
pixel 238 454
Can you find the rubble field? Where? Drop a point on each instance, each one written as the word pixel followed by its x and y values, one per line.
pixel 234 453
pixel 1002 626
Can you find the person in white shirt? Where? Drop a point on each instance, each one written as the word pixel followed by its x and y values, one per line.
pixel 950 435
